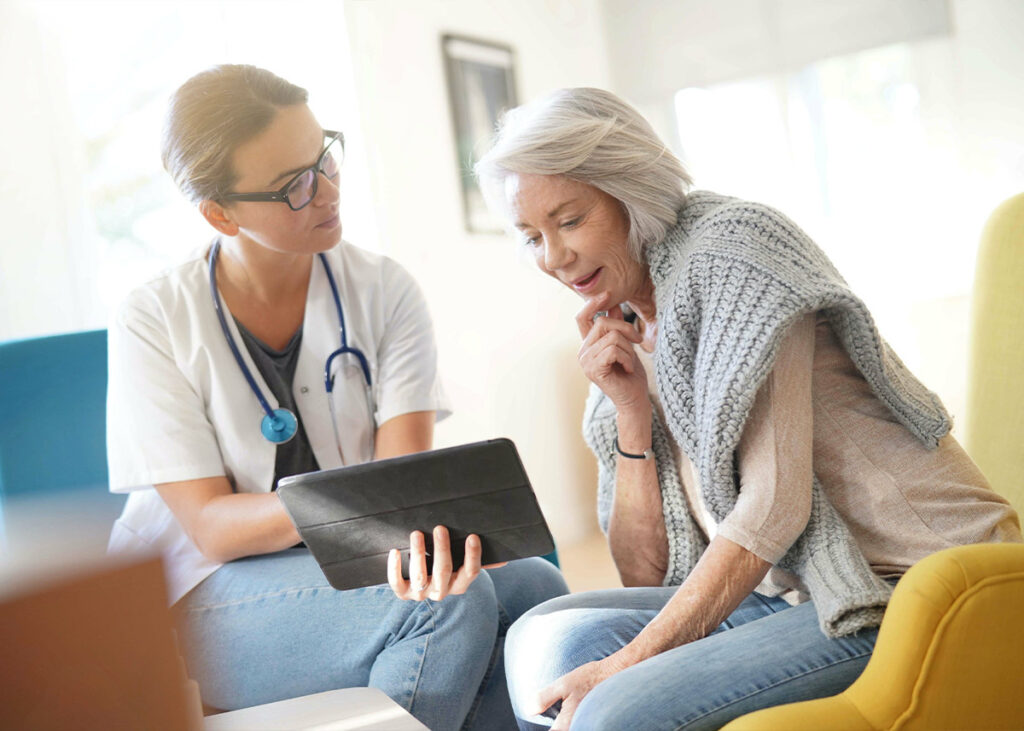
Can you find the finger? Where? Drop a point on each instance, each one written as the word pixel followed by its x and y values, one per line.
pixel 606 325
pixel 470 566
pixel 616 354
pixel 418 578
pixel 585 317
pixel 442 571
pixel 565 714
pixel 606 352
pixel 550 695
pixel 398 583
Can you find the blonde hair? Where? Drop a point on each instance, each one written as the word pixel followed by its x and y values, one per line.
pixel 592 136
pixel 210 116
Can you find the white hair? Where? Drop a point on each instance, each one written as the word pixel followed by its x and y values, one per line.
pixel 592 136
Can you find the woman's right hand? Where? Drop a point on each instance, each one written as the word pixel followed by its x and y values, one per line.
pixel 607 356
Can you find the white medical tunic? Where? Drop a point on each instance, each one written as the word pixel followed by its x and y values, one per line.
pixel 179 407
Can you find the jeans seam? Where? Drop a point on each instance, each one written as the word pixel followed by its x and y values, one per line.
pixel 258 597
pixel 423 657
pixel 769 687
pixel 503 619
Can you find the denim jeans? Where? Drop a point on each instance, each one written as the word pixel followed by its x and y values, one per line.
pixel 265 628
pixel 766 653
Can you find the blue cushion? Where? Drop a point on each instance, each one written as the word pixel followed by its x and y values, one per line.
pixel 52 434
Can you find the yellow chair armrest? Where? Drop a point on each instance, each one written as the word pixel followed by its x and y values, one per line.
pixel 947 655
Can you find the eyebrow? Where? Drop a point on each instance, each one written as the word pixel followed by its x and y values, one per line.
pixel 552 213
pixel 296 171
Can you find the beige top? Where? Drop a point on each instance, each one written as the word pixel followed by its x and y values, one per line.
pixel 815 414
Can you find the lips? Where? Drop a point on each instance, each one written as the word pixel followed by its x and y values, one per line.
pixel 330 222
pixel 585 284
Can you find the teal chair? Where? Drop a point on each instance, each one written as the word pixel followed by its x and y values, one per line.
pixel 53 430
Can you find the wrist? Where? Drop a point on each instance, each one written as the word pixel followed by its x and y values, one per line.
pixel 634 431
pixel 630 654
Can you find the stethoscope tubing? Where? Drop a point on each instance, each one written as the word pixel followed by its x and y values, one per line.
pixel 280 425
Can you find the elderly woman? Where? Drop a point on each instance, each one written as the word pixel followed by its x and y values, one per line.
pixel 768 467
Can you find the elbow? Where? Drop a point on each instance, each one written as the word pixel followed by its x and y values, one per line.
pixel 210 544
pixel 639 571
pixel 210 548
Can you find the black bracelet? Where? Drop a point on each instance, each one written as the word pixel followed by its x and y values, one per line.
pixel 648 454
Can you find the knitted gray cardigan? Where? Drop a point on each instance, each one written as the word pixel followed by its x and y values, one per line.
pixel 729 280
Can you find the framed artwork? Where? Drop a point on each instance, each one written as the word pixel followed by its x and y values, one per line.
pixel 481 86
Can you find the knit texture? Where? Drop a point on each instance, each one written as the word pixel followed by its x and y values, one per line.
pixel 730 278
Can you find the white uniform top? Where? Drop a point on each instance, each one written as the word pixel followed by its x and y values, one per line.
pixel 179 407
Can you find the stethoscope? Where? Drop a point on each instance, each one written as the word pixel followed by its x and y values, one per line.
pixel 279 425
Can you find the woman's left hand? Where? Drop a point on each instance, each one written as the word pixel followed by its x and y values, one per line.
pixel 573 687
pixel 443 581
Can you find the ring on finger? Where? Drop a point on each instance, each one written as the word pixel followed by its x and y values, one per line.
pixel 599 313
pixel 421 587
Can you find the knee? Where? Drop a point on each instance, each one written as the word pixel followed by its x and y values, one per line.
pixel 611 705
pixel 476 610
pixel 546 580
pixel 541 647
pixel 524 584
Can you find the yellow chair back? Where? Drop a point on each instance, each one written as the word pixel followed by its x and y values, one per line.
pixel 994 428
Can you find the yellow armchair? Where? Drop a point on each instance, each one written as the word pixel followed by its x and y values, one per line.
pixel 948 651
pixel 947 657
pixel 995 395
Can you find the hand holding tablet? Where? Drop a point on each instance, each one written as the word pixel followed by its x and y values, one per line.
pixel 352 518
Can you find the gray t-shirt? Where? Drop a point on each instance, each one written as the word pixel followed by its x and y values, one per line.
pixel 278 369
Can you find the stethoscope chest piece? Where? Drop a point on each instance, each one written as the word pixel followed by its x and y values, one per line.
pixel 280 427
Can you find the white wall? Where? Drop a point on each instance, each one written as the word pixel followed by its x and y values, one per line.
pixel 506 334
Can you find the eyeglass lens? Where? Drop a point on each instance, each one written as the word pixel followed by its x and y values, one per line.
pixel 303 188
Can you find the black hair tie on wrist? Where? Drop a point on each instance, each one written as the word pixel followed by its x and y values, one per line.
pixel 647 453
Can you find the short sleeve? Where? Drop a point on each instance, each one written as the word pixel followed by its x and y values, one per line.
pixel 407 374
pixel 157 427
pixel 775 453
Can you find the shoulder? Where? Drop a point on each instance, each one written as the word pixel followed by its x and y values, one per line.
pixel 166 293
pixel 719 237
pixel 369 268
pixel 711 217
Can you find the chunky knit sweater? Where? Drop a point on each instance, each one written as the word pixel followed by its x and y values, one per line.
pixel 729 279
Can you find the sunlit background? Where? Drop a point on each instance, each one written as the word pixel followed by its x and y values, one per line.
pixel 888 129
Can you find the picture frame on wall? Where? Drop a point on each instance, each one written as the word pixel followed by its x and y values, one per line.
pixel 481 86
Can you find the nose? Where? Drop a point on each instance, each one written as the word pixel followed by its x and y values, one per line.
pixel 556 254
pixel 327 190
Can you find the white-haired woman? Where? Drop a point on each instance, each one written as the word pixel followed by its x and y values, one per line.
pixel 767 467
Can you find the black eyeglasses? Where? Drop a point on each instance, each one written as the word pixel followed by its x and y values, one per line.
pixel 300 190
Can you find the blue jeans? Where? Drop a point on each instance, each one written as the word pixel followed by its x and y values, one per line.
pixel 766 653
pixel 265 628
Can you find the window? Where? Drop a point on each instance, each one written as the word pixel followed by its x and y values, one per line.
pixel 869 153
pixel 97 212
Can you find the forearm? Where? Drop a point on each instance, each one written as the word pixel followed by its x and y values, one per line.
pixel 723 577
pixel 636 527
pixel 243 524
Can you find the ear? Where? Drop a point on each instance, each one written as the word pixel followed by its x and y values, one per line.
pixel 218 217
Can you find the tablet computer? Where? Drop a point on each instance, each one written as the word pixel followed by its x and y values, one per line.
pixel 351 517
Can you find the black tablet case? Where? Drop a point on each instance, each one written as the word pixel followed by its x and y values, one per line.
pixel 351 517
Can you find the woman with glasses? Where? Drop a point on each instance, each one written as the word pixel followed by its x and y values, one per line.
pixel 274 350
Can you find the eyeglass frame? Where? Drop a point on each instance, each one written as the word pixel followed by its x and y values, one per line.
pixel 281 195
